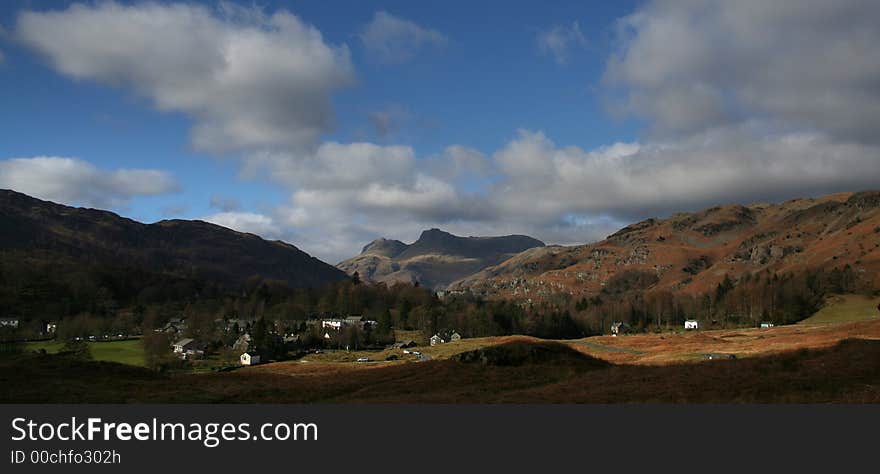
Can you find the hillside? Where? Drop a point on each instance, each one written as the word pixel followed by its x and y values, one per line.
pixel 35 230
pixel 691 253
pixel 843 371
pixel 435 259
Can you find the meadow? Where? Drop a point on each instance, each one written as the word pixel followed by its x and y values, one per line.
pixel 129 351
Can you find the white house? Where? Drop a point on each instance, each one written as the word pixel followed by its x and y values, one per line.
pixel 691 324
pixel 9 322
pixel 436 339
pixel 454 337
pixel 767 325
pixel 250 358
pixel 332 324
pixel 188 347
pixel 51 327
pixel 619 327
pixel 180 346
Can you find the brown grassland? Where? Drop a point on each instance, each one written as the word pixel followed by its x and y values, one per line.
pixel 837 363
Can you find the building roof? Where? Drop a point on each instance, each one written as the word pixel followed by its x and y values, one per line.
pixel 184 342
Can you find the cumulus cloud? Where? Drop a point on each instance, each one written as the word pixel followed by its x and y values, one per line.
pixel 77 182
pixel 689 66
pixel 250 222
pixel 559 40
pixel 246 78
pixel 391 39
pixel 746 100
pixel 634 180
pixel 562 194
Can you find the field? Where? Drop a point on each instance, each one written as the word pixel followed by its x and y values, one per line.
pixel 129 352
pixel 817 363
pixel 846 308
pixel 820 362
pixel 848 372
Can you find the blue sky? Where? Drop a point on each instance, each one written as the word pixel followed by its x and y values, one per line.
pixel 562 121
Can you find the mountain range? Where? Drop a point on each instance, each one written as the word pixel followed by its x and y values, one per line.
pixel 694 252
pixel 684 253
pixel 34 229
pixel 436 259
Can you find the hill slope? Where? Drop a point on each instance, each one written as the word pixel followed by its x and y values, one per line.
pixel 692 252
pixel 435 259
pixel 35 229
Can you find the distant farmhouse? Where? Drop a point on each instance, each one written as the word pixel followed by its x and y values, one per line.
pixel 249 358
pixel 619 327
pixel 691 324
pixel 437 339
pixel 350 321
pixel 188 348
pixel 333 323
pixel 9 322
pixel 767 325
pixel 50 327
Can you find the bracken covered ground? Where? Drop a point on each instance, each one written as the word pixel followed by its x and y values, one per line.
pixel 795 364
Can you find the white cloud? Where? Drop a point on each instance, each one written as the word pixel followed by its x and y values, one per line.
pixel 250 222
pixel 633 180
pixel 747 100
pixel 689 66
pixel 77 182
pixel 344 195
pixel 248 79
pixel 390 39
pixel 559 40
pixel 457 163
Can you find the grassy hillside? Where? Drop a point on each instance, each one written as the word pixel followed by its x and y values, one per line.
pixel 530 372
pixel 130 352
pixel 847 372
pixel 846 308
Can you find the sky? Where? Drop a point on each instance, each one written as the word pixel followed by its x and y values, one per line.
pixel 329 124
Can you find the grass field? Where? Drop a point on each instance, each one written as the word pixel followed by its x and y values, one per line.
pixel 129 352
pixel 847 372
pixel 830 361
pixel 846 308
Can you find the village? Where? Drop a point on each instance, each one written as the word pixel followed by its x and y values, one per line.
pixel 239 342
pixel 294 339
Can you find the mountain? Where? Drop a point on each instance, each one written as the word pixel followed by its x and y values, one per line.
pixel 435 259
pixel 693 252
pixel 31 229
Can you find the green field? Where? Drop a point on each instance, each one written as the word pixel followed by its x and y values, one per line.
pixel 129 352
pixel 846 308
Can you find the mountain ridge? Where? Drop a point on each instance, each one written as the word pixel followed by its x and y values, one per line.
pixel 435 259
pixel 176 246
pixel 693 252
